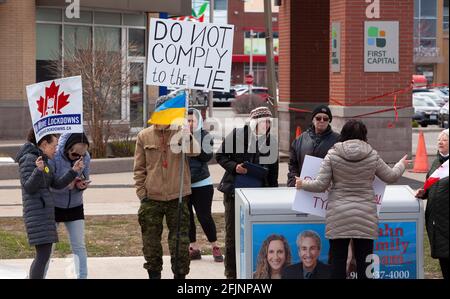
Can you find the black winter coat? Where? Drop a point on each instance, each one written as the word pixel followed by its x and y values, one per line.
pixel 241 154
pixel 38 204
pixel 437 214
pixel 309 143
pixel 199 164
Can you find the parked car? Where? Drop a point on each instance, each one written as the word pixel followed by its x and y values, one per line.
pixel 442 92
pixel 425 111
pixel 263 92
pixel 432 96
pixel 224 98
pixel 443 117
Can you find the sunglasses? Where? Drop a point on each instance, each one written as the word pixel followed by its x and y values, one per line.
pixel 320 118
pixel 76 155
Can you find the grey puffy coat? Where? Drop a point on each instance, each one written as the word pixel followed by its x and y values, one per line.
pixel 351 167
pixel 38 205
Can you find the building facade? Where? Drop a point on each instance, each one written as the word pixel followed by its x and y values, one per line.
pixel 35 33
pixel 431 54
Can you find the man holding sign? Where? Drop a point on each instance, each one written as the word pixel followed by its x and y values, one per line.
pixel 351 166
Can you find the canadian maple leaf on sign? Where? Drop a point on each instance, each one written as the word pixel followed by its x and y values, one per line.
pixel 53 102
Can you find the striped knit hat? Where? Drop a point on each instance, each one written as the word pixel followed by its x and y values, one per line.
pixel 260 112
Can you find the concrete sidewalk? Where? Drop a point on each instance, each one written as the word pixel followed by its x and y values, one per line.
pixel 111 268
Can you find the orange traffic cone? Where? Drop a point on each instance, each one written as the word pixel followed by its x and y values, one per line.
pixel 298 132
pixel 421 161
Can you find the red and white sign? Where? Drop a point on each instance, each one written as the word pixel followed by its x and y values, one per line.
pixel 249 79
pixel 438 174
pixel 317 203
pixel 56 106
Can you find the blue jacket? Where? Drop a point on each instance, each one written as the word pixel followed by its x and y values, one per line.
pixel 65 198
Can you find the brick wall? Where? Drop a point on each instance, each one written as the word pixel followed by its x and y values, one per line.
pixel 304 51
pixel 352 84
pixel 17 65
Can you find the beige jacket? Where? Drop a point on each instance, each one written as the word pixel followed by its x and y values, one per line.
pixel 157 171
pixel 351 167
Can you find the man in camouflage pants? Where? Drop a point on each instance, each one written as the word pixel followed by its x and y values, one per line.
pixel 157 181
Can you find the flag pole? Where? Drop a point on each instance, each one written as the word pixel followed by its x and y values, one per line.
pixel 180 197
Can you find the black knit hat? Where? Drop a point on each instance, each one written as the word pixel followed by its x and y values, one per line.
pixel 74 139
pixel 322 109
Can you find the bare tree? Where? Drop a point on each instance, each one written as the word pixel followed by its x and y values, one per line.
pixel 106 78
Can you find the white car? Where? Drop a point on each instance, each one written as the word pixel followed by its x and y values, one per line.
pixel 432 96
pixel 426 111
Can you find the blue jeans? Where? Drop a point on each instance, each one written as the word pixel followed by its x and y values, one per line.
pixel 76 237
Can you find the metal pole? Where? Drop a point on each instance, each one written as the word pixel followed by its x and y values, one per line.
pixel 180 197
pixel 210 94
pixel 251 61
pixel 270 64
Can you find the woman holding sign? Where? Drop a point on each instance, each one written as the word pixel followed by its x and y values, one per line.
pixel 350 167
pixel 436 213
pixel 36 177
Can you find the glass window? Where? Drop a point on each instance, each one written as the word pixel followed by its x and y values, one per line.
pixel 428 8
pixel 48 37
pixel 48 51
pixel 107 18
pixel 137 94
pixel 136 42
pixel 135 20
pixel 220 5
pixel 85 17
pixel 416 8
pixel 76 38
pixel 107 38
pixel 445 15
pixel 427 28
pixel 428 43
pixel 48 14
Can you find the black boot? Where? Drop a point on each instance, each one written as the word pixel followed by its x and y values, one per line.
pixel 179 276
pixel 154 274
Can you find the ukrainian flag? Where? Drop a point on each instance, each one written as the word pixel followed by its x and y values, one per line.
pixel 170 112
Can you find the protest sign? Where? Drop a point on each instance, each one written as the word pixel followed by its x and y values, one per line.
pixel 317 203
pixel 56 106
pixel 190 54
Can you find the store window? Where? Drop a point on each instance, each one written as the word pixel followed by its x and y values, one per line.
pixel 425 27
pixel 427 70
pixel 48 51
pixel 95 30
pixel 259 43
pixel 445 16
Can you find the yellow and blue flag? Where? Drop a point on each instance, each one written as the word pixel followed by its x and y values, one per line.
pixel 172 111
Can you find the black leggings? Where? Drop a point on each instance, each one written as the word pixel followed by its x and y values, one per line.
pixel 444 267
pixel 43 252
pixel 339 253
pixel 201 199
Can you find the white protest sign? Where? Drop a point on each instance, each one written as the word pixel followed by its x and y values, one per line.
pixel 56 106
pixel 317 203
pixel 190 54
